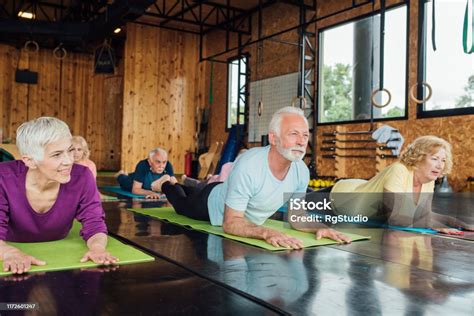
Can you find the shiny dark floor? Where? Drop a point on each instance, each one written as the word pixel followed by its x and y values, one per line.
pixel 394 273
pixel 143 289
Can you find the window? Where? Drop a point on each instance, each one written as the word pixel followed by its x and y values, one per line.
pixel 349 65
pixel 236 91
pixel 448 70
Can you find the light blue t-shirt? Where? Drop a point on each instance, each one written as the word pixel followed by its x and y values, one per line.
pixel 252 188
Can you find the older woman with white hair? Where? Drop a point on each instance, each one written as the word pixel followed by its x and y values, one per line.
pixel 42 194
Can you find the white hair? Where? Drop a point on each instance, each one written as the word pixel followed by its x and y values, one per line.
pixel 33 136
pixel 157 150
pixel 275 123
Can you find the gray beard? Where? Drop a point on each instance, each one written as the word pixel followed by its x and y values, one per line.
pixel 287 154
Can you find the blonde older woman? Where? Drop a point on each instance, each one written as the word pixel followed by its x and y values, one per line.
pixel 42 194
pixel 81 154
pixel 404 187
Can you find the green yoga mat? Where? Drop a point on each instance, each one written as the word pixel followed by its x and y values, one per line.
pixel 108 198
pixel 65 254
pixel 308 239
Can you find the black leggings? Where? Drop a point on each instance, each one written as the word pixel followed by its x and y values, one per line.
pixel 126 181
pixel 189 201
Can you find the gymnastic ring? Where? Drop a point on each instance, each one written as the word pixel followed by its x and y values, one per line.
pixel 260 108
pixel 293 101
pixel 378 105
pixel 33 44
pixel 62 53
pixel 412 92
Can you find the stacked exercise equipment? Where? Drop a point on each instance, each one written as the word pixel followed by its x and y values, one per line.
pixel 344 146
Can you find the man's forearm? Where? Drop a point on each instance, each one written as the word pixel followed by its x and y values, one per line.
pixel 245 228
pixel 294 219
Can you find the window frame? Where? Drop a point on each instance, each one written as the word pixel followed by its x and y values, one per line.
pixel 247 78
pixel 421 72
pixel 352 20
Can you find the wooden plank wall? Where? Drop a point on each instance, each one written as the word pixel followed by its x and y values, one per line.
pixel 280 59
pixel 69 90
pixel 162 89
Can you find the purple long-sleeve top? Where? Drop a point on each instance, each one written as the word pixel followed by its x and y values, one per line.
pixel 78 199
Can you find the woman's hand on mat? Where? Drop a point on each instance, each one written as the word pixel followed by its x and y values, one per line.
pixel 153 196
pixel 278 239
pixel 99 256
pixel 449 231
pixel 332 234
pixel 18 262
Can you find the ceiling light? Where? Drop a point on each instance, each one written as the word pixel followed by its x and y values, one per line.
pixel 26 15
pixel 117 30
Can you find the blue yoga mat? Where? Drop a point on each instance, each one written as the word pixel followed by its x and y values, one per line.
pixel 421 230
pixel 412 229
pixel 118 190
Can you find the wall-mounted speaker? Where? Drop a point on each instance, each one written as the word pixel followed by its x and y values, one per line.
pixel 26 76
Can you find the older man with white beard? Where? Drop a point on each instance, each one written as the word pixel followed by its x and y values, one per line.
pixel 257 184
